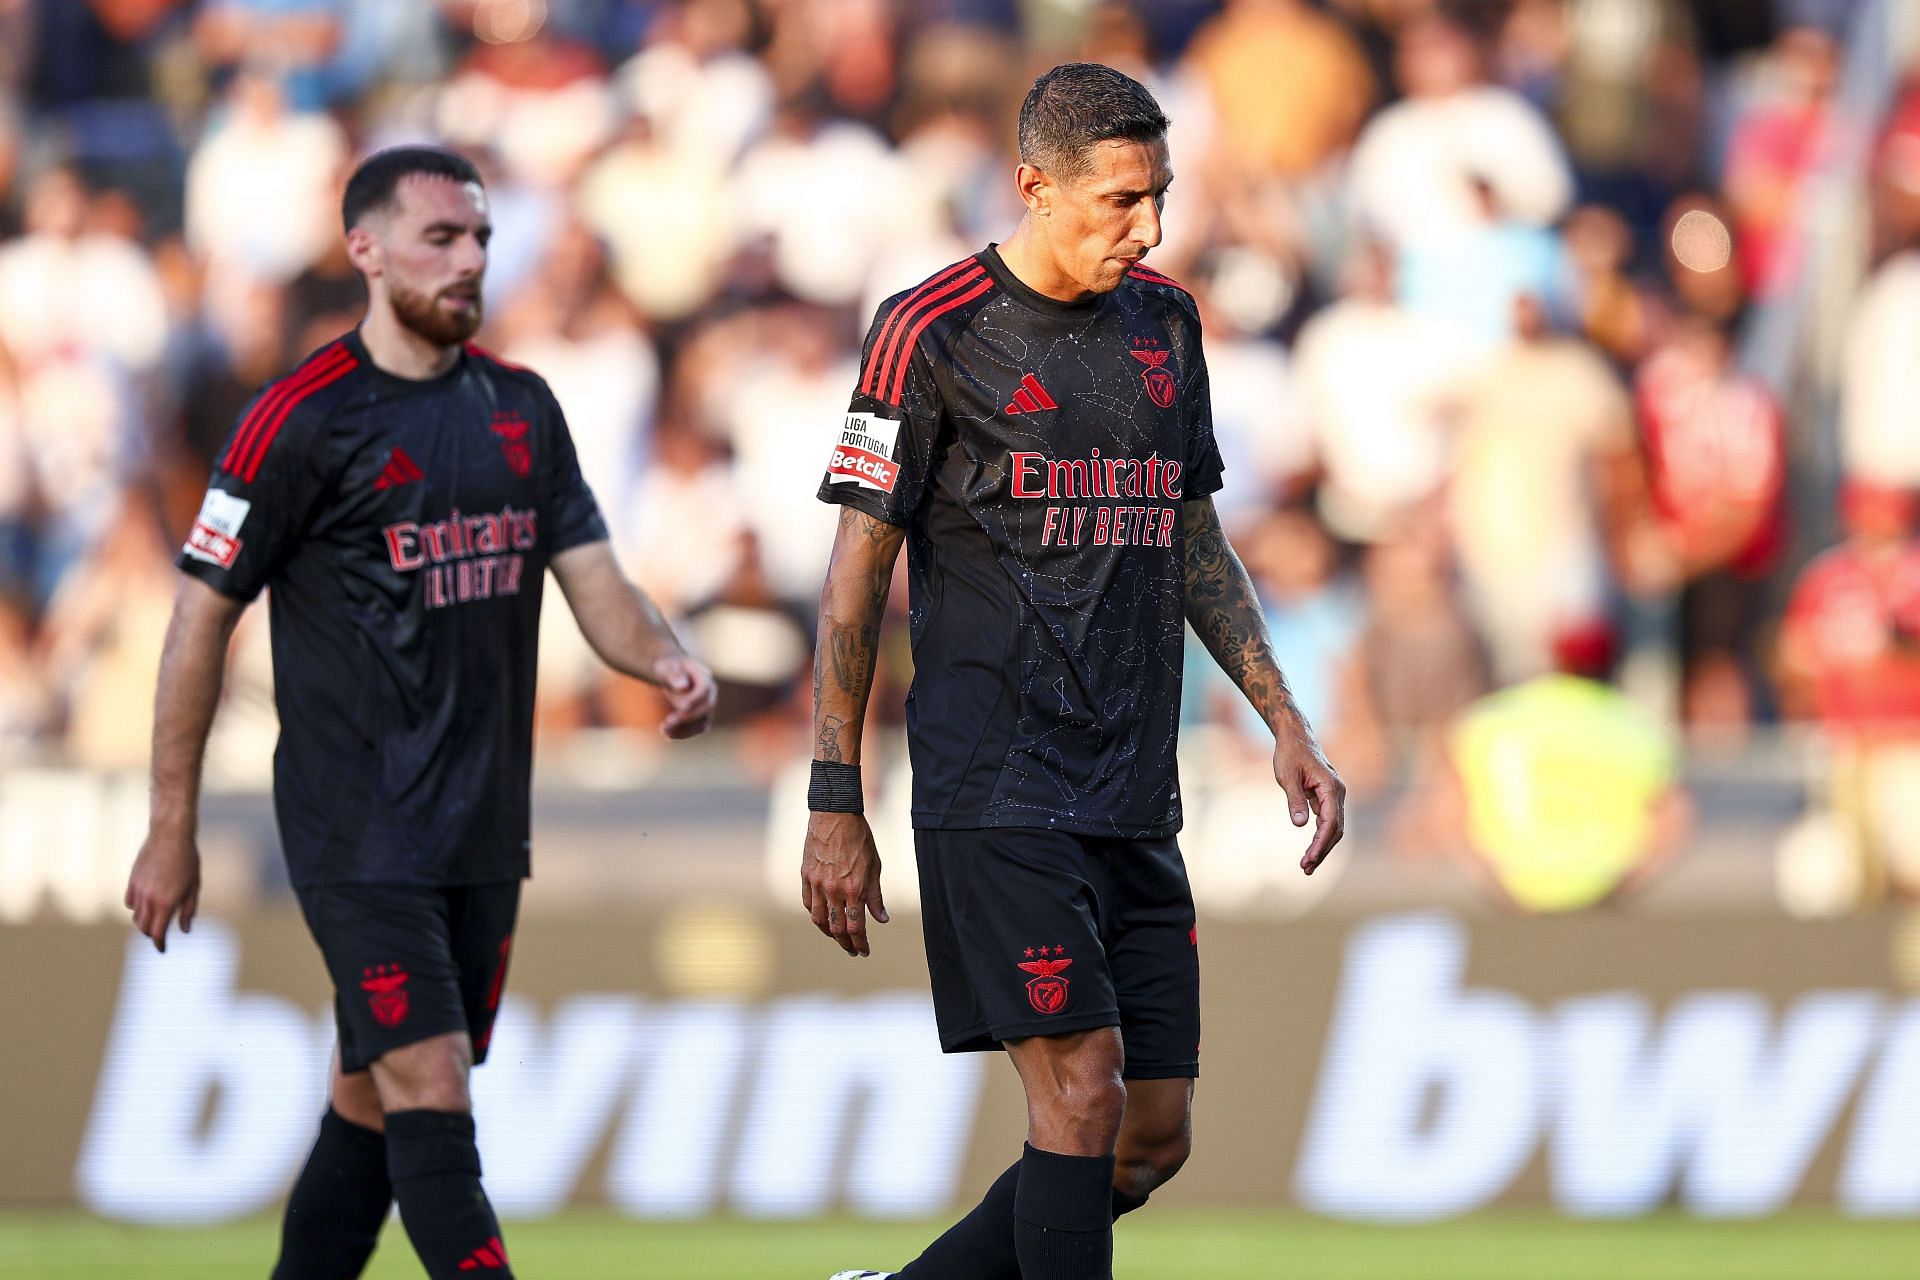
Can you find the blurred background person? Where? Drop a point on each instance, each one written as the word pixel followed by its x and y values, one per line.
pixel 1419 165
pixel 260 153
pixel 1561 790
pixel 1543 437
pixel 1716 452
pixel 1289 86
pixel 1368 384
pixel 1776 143
pixel 1880 380
pixel 1849 659
pixel 1418 664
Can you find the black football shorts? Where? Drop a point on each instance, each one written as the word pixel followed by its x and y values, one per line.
pixel 1032 932
pixel 410 962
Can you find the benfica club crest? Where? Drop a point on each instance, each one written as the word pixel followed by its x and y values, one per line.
pixel 1046 989
pixel 512 430
pixel 1158 378
pixel 386 988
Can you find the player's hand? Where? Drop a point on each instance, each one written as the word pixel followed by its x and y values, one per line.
pixel 165 879
pixel 840 879
pixel 690 692
pixel 1311 785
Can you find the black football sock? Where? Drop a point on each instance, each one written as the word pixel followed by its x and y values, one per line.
pixel 435 1168
pixel 980 1245
pixel 1063 1216
pixel 338 1204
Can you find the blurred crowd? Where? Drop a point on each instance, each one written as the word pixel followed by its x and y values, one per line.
pixel 1475 276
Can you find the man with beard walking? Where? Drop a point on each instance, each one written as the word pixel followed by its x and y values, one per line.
pixel 404 494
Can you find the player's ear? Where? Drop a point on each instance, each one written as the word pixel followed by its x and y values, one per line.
pixel 1035 188
pixel 364 250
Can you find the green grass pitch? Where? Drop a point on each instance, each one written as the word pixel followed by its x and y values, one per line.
pixel 1175 1245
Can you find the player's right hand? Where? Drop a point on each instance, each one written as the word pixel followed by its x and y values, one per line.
pixel 690 695
pixel 1302 771
pixel 165 879
pixel 840 879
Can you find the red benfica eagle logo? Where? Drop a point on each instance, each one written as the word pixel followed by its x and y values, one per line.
pixel 512 430
pixel 386 988
pixel 1159 381
pixel 1046 989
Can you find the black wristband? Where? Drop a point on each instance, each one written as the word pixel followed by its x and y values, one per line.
pixel 835 788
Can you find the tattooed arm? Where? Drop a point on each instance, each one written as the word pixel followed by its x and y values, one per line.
pixel 1225 614
pixel 840 867
pixel 858 577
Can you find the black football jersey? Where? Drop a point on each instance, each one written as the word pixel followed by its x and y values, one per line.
pixel 405 528
pixel 1037 452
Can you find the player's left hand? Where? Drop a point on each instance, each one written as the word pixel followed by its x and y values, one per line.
pixel 1302 771
pixel 165 879
pixel 690 693
pixel 840 879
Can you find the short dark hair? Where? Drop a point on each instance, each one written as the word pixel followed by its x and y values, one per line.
pixel 1078 104
pixel 372 185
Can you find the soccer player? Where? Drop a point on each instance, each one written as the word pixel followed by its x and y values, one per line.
pixel 404 494
pixel 1033 425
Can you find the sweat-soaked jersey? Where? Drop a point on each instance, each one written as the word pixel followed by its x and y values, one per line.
pixel 405 527
pixel 1037 453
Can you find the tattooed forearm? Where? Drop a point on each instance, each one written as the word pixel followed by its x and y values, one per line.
pixel 827 741
pixel 864 550
pixel 851 651
pixel 1225 614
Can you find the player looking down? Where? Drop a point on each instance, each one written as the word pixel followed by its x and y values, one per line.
pixel 1033 425
pixel 403 493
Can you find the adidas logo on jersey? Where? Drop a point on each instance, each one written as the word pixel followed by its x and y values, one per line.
pixel 400 469
pixel 1031 397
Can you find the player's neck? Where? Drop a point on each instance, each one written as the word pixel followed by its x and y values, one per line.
pixel 1032 263
pixel 400 351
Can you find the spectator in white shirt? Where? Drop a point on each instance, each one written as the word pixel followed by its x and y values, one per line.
pixel 1414 167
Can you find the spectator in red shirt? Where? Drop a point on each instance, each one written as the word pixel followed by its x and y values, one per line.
pixel 1775 145
pixel 1850 646
pixel 1850 657
pixel 1895 173
pixel 1716 464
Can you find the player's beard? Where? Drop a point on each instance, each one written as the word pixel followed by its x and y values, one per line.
pixel 422 314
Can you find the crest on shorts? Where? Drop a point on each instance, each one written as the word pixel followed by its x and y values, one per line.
pixel 512 430
pixel 1160 385
pixel 1046 989
pixel 386 988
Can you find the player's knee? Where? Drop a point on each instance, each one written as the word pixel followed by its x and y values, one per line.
pixel 1158 1136
pixel 428 1095
pixel 355 1099
pixel 1079 1107
pixel 1082 1117
pixel 429 1075
pixel 1152 1161
pixel 1101 1102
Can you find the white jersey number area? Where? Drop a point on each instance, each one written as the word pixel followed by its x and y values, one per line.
pixel 864 454
pixel 215 537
